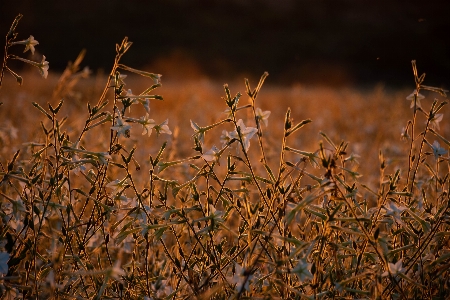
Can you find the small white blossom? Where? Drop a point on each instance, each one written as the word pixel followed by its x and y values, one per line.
pixel 163 128
pixel 122 127
pixel 411 98
pixel 211 155
pixel 29 44
pixel 246 133
pixel 394 269
pixel 239 277
pixel 227 136
pixel 198 131
pixel 263 116
pixel 404 135
pixel 434 122
pixel 146 103
pixel 147 124
pixel 302 270
pixel 395 211
pixel 437 150
pixel 43 67
pixel 116 271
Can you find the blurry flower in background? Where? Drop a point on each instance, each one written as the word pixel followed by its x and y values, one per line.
pixel 262 115
pixel 394 269
pixel 411 98
pixel 434 122
pixel 437 150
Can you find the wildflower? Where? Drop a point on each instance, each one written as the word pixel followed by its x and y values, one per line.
pixel 239 277
pixel 116 271
pixel 404 136
pixel 302 270
pixel 395 211
pixel 434 122
pixel 42 66
pixel 226 137
pixel 211 155
pixel 215 214
pixel 437 150
pixel 147 124
pixel 146 103
pixel 411 98
pixel 29 44
pixel 163 128
pixel 198 131
pixel 246 134
pixel 121 126
pixel 262 116
pixel 394 269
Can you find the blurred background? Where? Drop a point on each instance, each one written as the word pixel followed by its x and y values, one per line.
pixel 335 42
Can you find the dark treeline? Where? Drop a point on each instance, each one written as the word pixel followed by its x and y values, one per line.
pixel 335 41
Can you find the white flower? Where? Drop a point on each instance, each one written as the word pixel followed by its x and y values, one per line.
pixel 411 98
pixel 437 150
pixel 147 124
pixel 262 115
pixel 116 271
pixel 404 136
pixel 211 155
pixel 163 127
pixel 395 211
pixel 146 103
pixel 394 269
pixel 29 44
pixel 226 136
pixel 246 133
pixel 122 127
pixel 434 122
pixel 239 277
pixel 198 131
pixel 302 270
pixel 43 67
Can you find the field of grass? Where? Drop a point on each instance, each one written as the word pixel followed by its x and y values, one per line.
pixel 109 192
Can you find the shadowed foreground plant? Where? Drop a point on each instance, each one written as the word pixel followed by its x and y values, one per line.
pixel 90 221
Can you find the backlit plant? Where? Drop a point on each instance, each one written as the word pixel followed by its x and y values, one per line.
pixel 90 221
